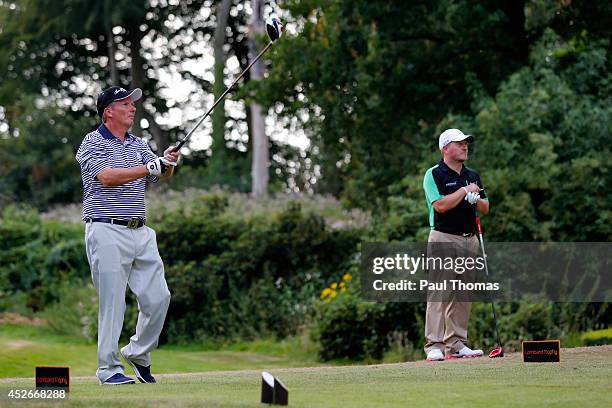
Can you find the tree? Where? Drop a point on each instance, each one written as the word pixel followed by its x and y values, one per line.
pixel 371 80
pixel 56 47
pixel 56 58
pixel 218 115
pixel 38 167
pixel 259 169
pixel 542 148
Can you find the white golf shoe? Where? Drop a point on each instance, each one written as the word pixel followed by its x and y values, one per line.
pixel 435 355
pixel 466 352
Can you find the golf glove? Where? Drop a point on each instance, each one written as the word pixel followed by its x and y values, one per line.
pixel 472 197
pixel 159 166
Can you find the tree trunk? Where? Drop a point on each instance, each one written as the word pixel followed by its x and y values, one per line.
pixel 218 115
pixel 515 28
pixel 259 167
pixel 158 134
pixel 161 141
pixel 110 44
pixel 137 73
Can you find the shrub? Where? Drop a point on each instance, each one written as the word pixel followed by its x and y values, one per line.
pixel 243 275
pixel 347 327
pixel 233 276
pixel 526 320
pixel 597 337
pixel 37 256
pixel 75 313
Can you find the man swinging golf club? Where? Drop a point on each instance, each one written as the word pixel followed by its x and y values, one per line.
pixel 121 249
pixel 454 193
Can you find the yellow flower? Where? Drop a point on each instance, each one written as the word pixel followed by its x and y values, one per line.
pixel 333 294
pixel 325 293
pixel 334 285
pixel 342 284
pixel 347 277
pixel 343 289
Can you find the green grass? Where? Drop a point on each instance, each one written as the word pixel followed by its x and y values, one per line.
pixel 582 379
pixel 24 347
pixel 191 378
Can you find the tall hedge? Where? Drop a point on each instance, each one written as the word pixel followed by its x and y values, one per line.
pixel 231 275
pixel 236 277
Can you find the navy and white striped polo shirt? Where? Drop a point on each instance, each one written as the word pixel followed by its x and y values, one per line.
pixel 101 150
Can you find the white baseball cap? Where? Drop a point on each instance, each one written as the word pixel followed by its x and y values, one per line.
pixel 453 135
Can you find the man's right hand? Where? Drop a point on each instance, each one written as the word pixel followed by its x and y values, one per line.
pixel 159 166
pixel 473 188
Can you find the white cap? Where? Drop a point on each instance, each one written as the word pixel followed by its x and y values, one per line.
pixel 453 135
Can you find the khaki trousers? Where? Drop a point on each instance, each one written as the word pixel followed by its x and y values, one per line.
pixel 446 323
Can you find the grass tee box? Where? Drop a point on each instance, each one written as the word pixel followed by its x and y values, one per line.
pixel 22 348
pixel 582 379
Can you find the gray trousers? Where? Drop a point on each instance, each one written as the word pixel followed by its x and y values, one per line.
pixel 118 257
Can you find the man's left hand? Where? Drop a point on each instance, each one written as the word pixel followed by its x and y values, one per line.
pixel 171 155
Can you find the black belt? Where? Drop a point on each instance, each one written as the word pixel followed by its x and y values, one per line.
pixel 133 223
pixel 461 234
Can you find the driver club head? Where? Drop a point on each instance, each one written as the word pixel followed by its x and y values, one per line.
pixel 496 352
pixel 274 28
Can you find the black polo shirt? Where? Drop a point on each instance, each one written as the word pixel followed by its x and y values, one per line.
pixel 440 181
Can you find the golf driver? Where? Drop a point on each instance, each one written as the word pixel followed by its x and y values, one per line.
pixel 498 351
pixel 274 29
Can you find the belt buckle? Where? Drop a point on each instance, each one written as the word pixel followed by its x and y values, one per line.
pixel 467 234
pixel 133 223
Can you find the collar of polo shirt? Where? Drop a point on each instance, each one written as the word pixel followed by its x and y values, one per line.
pixel 444 167
pixel 107 133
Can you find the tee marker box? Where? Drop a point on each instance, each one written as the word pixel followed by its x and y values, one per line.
pixel 53 377
pixel 541 351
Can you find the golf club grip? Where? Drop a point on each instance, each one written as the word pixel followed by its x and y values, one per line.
pixel 178 146
pixel 262 52
pixel 478 225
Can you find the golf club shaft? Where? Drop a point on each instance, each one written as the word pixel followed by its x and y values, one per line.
pixel 186 138
pixel 484 256
pixel 495 320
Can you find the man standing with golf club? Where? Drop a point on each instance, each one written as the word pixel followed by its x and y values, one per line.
pixel 121 249
pixel 454 193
